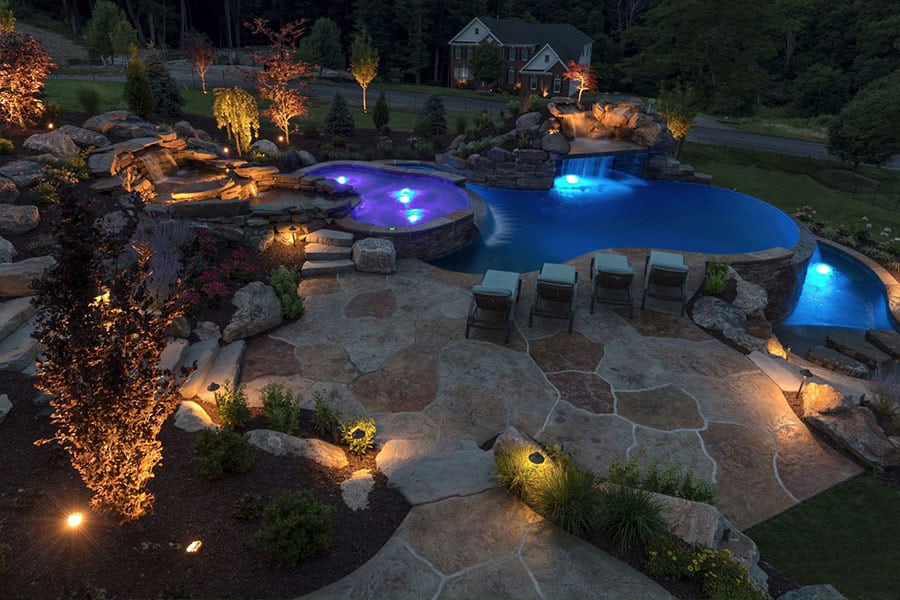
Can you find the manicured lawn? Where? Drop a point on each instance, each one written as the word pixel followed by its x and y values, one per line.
pixel 790 182
pixel 779 121
pixel 846 536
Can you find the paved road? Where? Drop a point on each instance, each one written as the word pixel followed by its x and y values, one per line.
pixel 705 131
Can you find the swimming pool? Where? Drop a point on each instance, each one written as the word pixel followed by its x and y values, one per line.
pixel 524 229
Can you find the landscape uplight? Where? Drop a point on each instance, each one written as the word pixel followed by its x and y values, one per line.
pixel 193 547
pixel 74 520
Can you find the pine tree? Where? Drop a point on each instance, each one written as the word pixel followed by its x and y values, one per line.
pixel 339 121
pixel 433 110
pixel 166 96
pixel 138 94
pixel 381 115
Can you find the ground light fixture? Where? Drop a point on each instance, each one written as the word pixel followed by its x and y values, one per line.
pixel 74 520
pixel 341 179
pixel 806 374
pixel 193 547
pixel 536 458
pixel 358 434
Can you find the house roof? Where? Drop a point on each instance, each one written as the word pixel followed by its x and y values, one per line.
pixel 566 40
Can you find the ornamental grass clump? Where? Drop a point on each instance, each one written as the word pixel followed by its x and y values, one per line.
pixel 296 526
pixel 631 517
pixel 716 277
pixel 672 480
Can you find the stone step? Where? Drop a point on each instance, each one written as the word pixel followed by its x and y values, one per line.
pixel 19 349
pixel 173 355
pixel 203 354
pixel 853 343
pixel 225 367
pixel 316 252
pixel 330 237
pixel 836 361
pixel 13 314
pixel 326 267
pixel 886 340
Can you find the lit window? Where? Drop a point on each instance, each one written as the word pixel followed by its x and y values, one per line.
pixel 511 76
pixel 557 82
pixel 532 83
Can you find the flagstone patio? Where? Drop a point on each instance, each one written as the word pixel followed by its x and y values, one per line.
pixel 656 386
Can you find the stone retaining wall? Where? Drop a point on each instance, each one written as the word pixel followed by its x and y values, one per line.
pixel 520 169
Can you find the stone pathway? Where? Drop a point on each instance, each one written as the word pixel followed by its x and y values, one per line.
pixel 656 386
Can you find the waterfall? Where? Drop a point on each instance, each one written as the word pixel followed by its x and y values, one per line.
pixel 156 164
pixel 588 167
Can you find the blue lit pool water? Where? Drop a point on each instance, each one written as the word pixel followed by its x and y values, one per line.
pixel 582 213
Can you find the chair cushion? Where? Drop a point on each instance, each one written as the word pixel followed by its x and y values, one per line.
pixel 667 260
pixel 612 263
pixel 554 273
pixel 504 281
pixel 491 291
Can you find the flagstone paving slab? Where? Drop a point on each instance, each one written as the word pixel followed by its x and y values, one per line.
pixel 407 382
pixel 806 466
pixel 667 447
pixel 314 286
pixel 503 578
pixel 327 362
pixel 584 390
pixel 749 489
pixel 593 439
pixel 268 356
pixel 748 398
pixel 566 352
pixel 376 305
pixel 667 407
pixel 443 475
pixel 435 333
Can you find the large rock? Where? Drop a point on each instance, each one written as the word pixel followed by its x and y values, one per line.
pixel 56 143
pixel 822 398
pixel 555 143
pixel 17 219
pixel 191 417
pixel 85 138
pixel 258 310
pixel 23 172
pixel 8 190
pixel 279 444
pixel 714 313
pixel 857 431
pixel 813 592
pixel 528 120
pixel 16 277
pixel 265 147
pixel 751 298
pixel 373 255
pixel 837 362
pixel 7 251
pixel 120 125
pixel 306 158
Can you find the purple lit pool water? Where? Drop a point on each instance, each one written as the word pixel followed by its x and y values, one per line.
pixel 393 199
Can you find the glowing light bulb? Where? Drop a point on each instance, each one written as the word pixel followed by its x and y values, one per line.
pixel 75 520
pixel 225 150
pixel 341 179
pixel 405 195
pixel 414 215
pixel 193 547
pixel 572 179
pixel 823 269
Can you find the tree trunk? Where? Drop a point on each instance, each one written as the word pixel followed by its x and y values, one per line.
pixel 182 31
pixel 364 87
pixel 228 23
pixel 679 146
pixel 237 24
pixel 437 62
pixel 136 20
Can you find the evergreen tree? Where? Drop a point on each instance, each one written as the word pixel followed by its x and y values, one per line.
pixel 339 121
pixel 866 130
pixel 166 96
pixel 106 30
pixel 322 46
pixel 381 116
pixel 433 111
pixel 137 92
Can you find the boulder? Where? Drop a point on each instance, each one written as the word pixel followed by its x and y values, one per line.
pixel 102 164
pixel 120 125
pixel 200 144
pixel 306 158
pixel 265 147
pixel 714 313
pixel 456 142
pixel 743 340
pixel 23 172
pixel 555 143
pixel 5 406
pixel 106 121
pixel 653 135
pixel 279 444
pixel 857 431
pixel 191 417
pixel 512 438
pixel 813 592
pixel 258 310
pixel 528 120
pixel 837 362
pixel 751 298
pixel 16 219
pixel 500 155
pixel 114 223
pixel 183 129
pixel 7 251
pixel 180 328
pixel 16 277
pixel 207 330
pixel 55 142
pixel 373 255
pixel 85 138
pixel 8 190
pixel 823 398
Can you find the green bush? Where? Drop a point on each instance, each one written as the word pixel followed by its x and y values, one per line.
pixel 716 277
pixel 281 410
pixel 168 100
pixel 339 121
pixel 631 516
pixel 295 526
pixel 326 418
pixel 568 496
pixel 6 146
pixel 381 114
pixel 359 434
pixel 421 126
pixel 309 129
pixel 42 245
pixel 137 92
pixel 515 107
pixel 232 405
pixel 460 123
pixel 517 473
pixel 89 98
pixel 248 508
pixel 222 451
pixel 284 280
pixel 672 481
pixel 433 110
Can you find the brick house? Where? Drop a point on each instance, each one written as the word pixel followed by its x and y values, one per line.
pixel 534 54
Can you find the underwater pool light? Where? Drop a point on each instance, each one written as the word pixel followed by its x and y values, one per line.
pixel 341 179
pixel 572 179
pixel 405 195
pixel 414 215
pixel 823 269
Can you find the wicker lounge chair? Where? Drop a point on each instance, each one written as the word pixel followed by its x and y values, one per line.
pixel 494 301
pixel 665 278
pixel 611 275
pixel 555 294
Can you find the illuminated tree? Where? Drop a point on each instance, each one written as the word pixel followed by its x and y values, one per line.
pixel 137 92
pixel 584 77
pixel 200 54
pixel 24 66
pixel 363 61
pixel 678 105
pixel 282 80
pixel 236 111
pixel 7 18
pixel 102 334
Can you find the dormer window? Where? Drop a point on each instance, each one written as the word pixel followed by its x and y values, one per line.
pixel 477 31
pixel 546 58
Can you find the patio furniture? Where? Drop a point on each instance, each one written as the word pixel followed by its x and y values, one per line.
pixel 555 293
pixel 494 301
pixel 665 276
pixel 611 275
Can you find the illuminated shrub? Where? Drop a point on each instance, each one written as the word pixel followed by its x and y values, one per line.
pixel 295 527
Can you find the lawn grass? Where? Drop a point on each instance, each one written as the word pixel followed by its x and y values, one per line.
pixel 779 121
pixel 790 182
pixel 846 536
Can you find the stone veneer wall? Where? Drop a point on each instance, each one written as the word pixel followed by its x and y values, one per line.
pixel 780 271
pixel 521 169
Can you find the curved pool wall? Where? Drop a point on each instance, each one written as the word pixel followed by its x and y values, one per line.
pixel 430 236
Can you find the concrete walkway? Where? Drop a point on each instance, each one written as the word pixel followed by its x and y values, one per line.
pixel 652 387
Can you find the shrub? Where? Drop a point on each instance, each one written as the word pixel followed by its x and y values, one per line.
pixel 248 508
pixel 89 98
pixel 460 123
pixel 137 92
pixel 326 418
pixel 381 114
pixel 433 110
pixel 716 277
pixel 673 481
pixel 339 121
pixel 167 98
pixel 295 526
pixel 385 145
pixel 280 408
pixel 42 245
pixel 668 556
pixel 6 146
pixel 631 516
pixel 309 129
pixel 885 396
pixel 359 434
pixel 232 405
pixel 421 126
pixel 222 451
pixel 424 150
pixel 515 107
pixel 483 125
pixel 284 280
pixel 569 497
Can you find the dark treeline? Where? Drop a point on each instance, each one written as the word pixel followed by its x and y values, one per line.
pixel 812 54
